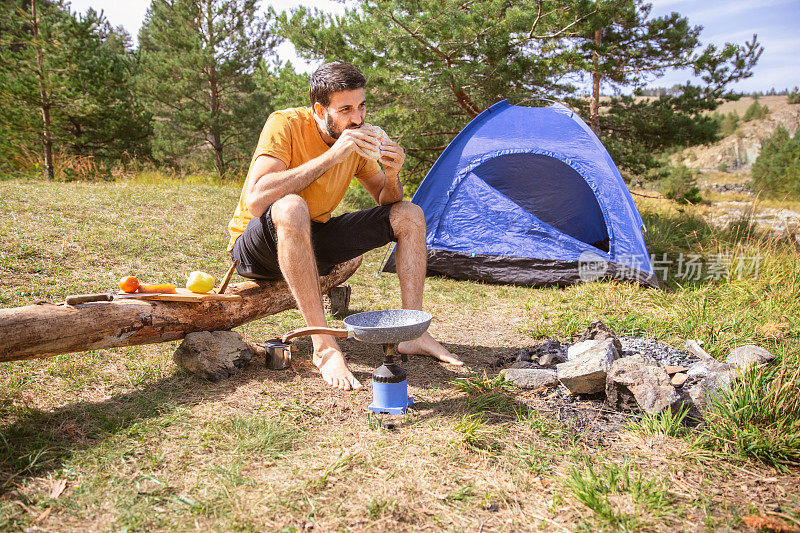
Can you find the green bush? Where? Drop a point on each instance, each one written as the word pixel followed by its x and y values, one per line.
pixel 755 112
pixel 680 184
pixel 776 172
pixel 728 123
pixel 794 96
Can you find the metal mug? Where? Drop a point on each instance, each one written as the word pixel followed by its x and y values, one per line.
pixel 279 354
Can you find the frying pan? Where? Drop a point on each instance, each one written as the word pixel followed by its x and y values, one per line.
pixel 389 326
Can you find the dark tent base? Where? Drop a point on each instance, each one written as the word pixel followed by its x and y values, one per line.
pixel 520 270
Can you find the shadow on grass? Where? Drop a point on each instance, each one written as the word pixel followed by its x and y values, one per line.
pixel 41 441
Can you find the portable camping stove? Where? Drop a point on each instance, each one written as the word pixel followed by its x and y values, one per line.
pixel 387 328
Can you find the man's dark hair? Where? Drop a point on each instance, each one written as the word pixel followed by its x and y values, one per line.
pixel 332 78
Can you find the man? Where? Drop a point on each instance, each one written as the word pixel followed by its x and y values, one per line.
pixel 300 171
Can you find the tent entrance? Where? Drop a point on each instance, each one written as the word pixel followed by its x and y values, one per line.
pixel 550 190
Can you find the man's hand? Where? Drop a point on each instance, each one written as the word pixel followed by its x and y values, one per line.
pixel 392 157
pixel 353 140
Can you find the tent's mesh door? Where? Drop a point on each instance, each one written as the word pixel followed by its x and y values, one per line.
pixel 550 190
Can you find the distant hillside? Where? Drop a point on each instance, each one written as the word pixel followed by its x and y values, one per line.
pixel 740 149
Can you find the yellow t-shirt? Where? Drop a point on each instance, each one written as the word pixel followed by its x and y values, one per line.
pixel 291 135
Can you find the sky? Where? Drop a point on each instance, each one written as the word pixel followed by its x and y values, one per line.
pixel 777 23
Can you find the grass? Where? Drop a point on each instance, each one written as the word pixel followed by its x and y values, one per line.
pixel 665 423
pixel 759 416
pixel 621 499
pixel 473 431
pixel 377 508
pixel 143 446
pixel 480 384
pixel 537 461
pixel 253 434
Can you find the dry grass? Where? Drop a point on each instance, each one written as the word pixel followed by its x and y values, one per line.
pixel 143 446
pixel 741 105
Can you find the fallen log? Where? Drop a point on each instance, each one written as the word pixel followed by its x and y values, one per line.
pixel 48 329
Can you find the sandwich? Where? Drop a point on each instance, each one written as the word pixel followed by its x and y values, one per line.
pixel 380 134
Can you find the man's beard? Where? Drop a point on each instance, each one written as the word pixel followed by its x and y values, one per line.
pixel 333 131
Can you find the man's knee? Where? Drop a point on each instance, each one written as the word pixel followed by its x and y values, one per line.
pixel 291 212
pixel 407 217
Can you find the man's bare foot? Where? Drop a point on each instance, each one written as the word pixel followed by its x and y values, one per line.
pixel 333 368
pixel 427 345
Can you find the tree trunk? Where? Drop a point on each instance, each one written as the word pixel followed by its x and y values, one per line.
pixel 44 330
pixel 213 85
pixel 216 140
pixel 594 106
pixel 44 100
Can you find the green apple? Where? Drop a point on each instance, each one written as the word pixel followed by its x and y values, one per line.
pixel 200 282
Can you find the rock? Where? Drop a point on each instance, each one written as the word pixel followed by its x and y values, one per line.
pixel 501 360
pixel 749 354
pixel 213 355
pixel 553 358
pixel 694 415
pixel 586 373
pixel 531 378
pixel 702 369
pixel 597 330
pixel 708 387
pixel 523 364
pixel 694 347
pixel 337 300
pixel 710 377
pixel 524 356
pixel 679 379
pixel 640 381
pixel 674 369
pixel 550 353
pixel 581 347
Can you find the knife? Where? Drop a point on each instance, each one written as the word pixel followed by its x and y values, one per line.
pixel 109 296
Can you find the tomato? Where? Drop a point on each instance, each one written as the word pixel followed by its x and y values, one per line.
pixel 128 284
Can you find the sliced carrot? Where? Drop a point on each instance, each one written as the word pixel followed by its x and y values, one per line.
pixel 168 288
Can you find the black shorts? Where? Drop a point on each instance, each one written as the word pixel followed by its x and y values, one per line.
pixel 338 240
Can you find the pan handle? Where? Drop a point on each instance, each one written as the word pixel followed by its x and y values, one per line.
pixel 316 330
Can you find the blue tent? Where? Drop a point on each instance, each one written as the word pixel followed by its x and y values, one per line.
pixel 530 196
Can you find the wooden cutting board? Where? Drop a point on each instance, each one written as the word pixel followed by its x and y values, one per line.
pixel 182 295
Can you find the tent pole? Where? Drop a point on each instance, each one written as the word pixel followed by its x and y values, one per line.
pixel 383 261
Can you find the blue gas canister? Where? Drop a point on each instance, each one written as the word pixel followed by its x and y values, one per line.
pixel 390 387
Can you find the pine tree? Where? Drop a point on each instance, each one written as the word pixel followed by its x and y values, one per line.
pixel 776 171
pixel 432 65
pixel 102 116
pixel 623 47
pixel 282 85
pixel 197 63
pixel 64 82
pixel 33 72
pixel 728 123
pixel 755 112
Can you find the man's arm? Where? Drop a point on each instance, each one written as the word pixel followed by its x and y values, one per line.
pixel 385 186
pixel 269 180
